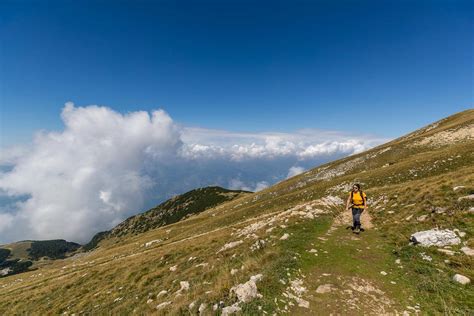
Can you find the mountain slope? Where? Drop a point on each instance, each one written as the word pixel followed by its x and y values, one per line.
pixel 170 211
pixel 286 249
pixel 30 254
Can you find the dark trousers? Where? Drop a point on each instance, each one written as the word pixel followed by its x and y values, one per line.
pixel 356 216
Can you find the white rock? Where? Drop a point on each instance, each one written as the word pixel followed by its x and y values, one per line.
pixel 383 273
pixel 163 292
pixel 467 197
pixel 234 271
pixel 234 308
pixel 422 218
pixel 459 187
pixel 468 251
pixel 313 250
pixel 230 245
pixel 325 288
pixel 398 261
pixel 192 304
pixel 202 308
pixel 461 279
pixel 447 251
pixel 247 291
pixel 5 271
pixel 285 236
pixel 184 286
pixel 435 237
pixel 163 305
pixel 149 301
pixel 173 268
pixel 425 257
pixel 152 242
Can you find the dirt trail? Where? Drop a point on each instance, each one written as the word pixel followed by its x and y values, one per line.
pixel 345 218
pixel 353 275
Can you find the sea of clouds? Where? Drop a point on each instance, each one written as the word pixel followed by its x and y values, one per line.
pixel 105 166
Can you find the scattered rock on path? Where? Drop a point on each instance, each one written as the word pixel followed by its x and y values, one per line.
pixel 435 237
pixel 461 279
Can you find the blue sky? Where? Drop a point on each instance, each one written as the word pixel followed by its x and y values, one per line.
pixel 252 92
pixel 381 67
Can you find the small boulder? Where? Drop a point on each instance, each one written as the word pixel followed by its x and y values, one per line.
pixel 461 279
pixel 435 237
pixel 247 291
pixel 457 188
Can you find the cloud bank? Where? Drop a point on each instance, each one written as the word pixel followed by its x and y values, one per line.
pixel 105 166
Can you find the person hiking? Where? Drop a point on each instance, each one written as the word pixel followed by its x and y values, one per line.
pixel 357 201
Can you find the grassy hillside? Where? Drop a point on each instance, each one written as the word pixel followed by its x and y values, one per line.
pixel 286 249
pixel 171 211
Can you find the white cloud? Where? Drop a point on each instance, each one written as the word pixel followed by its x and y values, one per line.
pixel 294 171
pixel 261 186
pixel 304 144
pixel 105 166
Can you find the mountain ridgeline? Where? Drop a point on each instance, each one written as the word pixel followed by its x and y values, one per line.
pixel 287 249
pixel 171 211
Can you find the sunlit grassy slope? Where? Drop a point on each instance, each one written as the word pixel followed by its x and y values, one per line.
pixel 293 234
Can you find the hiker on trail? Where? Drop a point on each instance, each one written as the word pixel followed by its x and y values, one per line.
pixel 357 201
